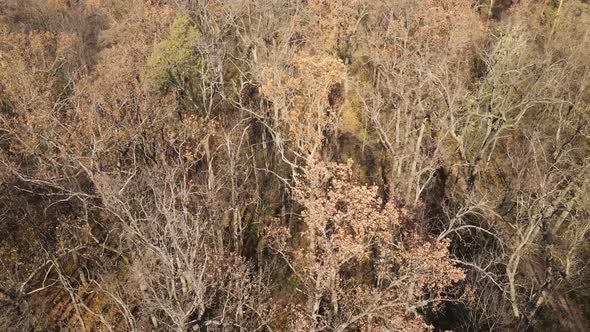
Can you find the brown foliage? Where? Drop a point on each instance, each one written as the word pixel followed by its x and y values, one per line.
pixel 346 229
pixel 173 165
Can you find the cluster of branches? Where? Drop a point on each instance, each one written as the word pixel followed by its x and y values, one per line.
pixel 181 165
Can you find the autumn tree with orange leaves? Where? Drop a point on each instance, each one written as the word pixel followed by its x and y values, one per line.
pixel 359 262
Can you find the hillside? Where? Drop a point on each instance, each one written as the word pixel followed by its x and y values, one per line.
pixel 294 165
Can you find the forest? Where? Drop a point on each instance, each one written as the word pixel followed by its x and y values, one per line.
pixel 294 165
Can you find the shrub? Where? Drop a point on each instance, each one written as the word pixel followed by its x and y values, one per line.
pixel 175 60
